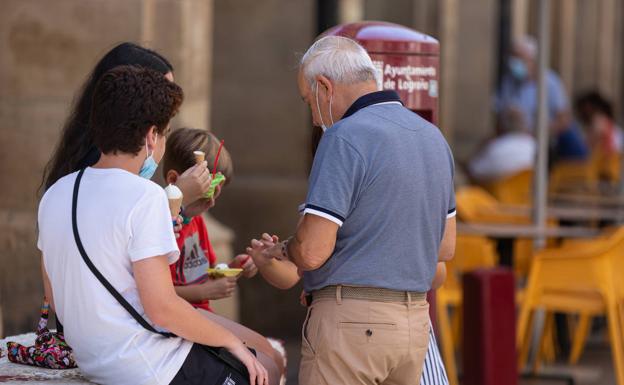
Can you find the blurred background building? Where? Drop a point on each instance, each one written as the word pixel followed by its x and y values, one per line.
pixel 237 62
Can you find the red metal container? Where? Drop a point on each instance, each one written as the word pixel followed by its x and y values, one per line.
pixel 408 61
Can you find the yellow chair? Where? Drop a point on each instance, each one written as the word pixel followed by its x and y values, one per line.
pixel 514 189
pixel 573 176
pixel 584 321
pixel 606 166
pixel 584 279
pixel 476 205
pixel 471 252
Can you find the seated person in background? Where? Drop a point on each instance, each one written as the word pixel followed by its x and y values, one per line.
pixel 509 152
pixel 604 136
pixel 189 273
pixel 595 113
pixel 519 91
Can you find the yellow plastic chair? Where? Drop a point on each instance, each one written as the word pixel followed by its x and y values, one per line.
pixel 606 166
pixel 573 176
pixel 582 279
pixel 515 189
pixel 471 252
pixel 584 321
pixel 476 205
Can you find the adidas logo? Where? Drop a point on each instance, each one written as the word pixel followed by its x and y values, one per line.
pixel 229 380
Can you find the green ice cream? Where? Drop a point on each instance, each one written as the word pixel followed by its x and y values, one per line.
pixel 217 180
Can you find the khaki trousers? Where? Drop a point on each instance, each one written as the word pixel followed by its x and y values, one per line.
pixel 353 341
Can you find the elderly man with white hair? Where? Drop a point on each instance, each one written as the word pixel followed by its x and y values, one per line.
pixel 378 217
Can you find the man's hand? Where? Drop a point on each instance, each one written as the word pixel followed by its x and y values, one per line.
pixel 194 182
pixel 264 250
pixel 219 288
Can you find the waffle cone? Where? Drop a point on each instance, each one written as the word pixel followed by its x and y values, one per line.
pixel 200 156
pixel 174 206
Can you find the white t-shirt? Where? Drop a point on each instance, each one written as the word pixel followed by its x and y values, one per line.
pixel 504 156
pixel 122 218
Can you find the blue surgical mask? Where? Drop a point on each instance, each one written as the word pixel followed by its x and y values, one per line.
pixel 149 165
pixel 318 107
pixel 518 69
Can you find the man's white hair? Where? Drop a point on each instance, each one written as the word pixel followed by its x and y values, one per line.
pixel 338 58
pixel 527 45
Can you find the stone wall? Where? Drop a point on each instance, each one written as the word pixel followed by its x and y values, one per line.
pixel 48 48
pixel 256 108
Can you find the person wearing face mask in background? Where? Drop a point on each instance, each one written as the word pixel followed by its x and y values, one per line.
pixel 518 91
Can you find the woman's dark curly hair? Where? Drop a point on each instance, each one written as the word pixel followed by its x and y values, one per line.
pixel 127 102
pixel 75 148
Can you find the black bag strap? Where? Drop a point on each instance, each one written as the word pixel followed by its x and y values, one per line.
pixel 221 353
pixel 99 275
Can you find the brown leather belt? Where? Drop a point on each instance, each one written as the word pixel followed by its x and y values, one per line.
pixel 366 293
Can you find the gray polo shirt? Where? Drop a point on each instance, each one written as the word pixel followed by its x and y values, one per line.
pixel 385 176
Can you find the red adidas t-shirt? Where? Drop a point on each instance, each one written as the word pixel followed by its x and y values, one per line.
pixel 196 256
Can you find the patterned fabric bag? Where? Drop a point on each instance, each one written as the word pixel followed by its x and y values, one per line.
pixel 49 351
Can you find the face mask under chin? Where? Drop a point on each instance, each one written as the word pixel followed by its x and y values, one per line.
pixel 149 165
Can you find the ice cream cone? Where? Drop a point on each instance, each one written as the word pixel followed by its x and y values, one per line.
pixel 199 156
pixel 174 206
pixel 174 194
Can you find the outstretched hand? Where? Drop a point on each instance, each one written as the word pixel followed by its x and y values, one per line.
pixel 264 250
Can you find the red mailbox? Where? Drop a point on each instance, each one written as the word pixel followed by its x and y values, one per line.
pixel 408 61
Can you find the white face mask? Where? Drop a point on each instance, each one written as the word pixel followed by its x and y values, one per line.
pixel 318 107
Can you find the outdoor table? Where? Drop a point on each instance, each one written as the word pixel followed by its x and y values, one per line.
pixel 571 213
pixel 524 231
pixel 589 199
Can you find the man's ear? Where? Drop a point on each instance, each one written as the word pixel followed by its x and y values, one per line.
pixel 172 177
pixel 325 85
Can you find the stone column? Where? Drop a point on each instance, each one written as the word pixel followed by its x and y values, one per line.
pixel 520 16
pixel 449 28
pixel 473 76
pixel 350 11
pixel 566 42
pixel 608 44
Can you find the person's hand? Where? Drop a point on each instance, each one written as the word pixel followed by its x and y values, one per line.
pixel 258 375
pixel 194 182
pixel 245 262
pixel 264 250
pixel 177 225
pixel 202 205
pixel 219 288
